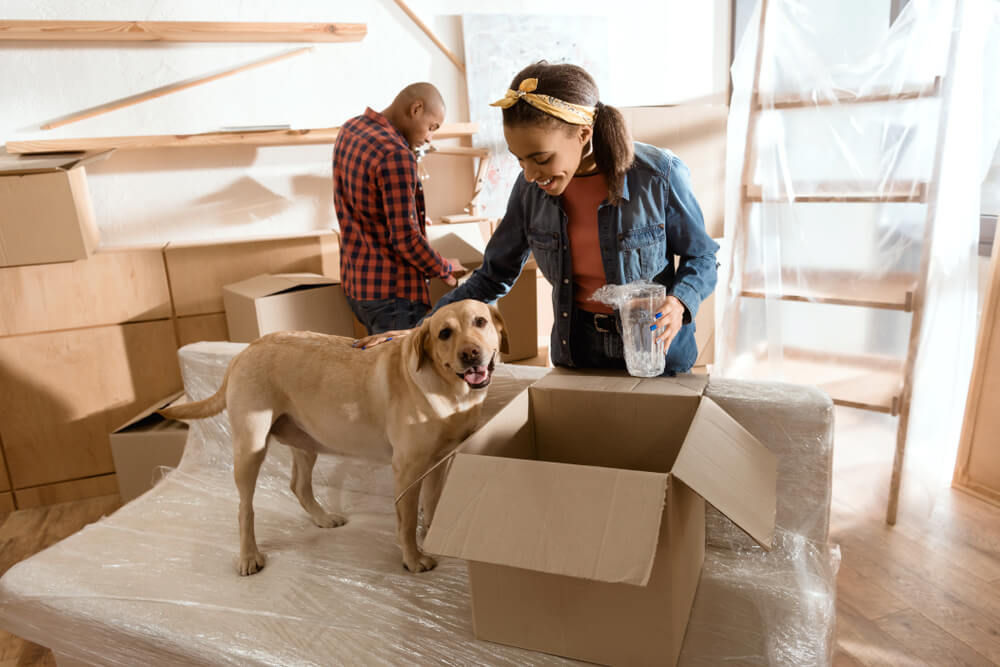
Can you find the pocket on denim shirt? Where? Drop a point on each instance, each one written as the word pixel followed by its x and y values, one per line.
pixel 545 247
pixel 644 252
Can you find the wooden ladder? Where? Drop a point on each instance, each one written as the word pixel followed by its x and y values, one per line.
pixel 876 383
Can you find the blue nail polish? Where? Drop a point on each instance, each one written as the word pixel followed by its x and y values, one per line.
pixel 652 327
pixel 364 347
pixel 388 339
pixel 658 316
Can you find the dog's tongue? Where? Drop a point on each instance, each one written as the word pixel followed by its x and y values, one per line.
pixel 476 375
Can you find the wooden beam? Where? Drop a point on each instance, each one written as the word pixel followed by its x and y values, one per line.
pixel 172 88
pixel 434 38
pixel 325 135
pixel 179 31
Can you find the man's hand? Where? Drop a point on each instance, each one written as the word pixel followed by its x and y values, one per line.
pixel 457 270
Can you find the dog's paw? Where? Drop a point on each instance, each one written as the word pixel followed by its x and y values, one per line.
pixel 326 520
pixel 251 564
pixel 422 563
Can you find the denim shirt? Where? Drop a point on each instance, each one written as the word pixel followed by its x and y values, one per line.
pixel 657 219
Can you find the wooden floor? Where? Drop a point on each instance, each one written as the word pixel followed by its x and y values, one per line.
pixel 926 592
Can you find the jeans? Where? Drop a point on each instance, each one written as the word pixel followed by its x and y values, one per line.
pixel 597 343
pixel 380 315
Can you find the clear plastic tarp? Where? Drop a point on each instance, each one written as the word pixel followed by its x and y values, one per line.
pixel 156 584
pixel 849 180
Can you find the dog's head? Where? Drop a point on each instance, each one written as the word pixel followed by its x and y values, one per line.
pixel 462 340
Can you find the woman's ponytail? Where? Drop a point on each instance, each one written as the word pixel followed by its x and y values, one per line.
pixel 613 149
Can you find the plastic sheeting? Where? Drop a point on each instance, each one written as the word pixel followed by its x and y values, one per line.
pixel 797 292
pixel 156 584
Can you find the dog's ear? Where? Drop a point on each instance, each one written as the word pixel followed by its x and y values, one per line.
pixel 417 345
pixel 501 328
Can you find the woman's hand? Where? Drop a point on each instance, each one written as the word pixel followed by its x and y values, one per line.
pixel 669 319
pixel 378 339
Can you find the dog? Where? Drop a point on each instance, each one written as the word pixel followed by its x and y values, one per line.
pixel 409 401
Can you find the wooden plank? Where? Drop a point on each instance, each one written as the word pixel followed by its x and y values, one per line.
pixel 934 646
pixel 806 101
pixel 6 504
pixel 198 271
pixel 892 291
pixel 868 597
pixel 110 287
pixel 179 31
pixel 61 492
pixel 470 151
pixel 977 467
pixel 864 382
pixel 170 89
pixel 434 38
pixel 867 643
pixel 304 137
pixel 65 391
pixel 201 327
pixel 4 474
pixel 844 193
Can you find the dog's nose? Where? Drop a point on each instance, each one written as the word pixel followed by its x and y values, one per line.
pixel 471 355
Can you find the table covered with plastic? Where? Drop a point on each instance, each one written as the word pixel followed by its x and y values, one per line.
pixel 155 583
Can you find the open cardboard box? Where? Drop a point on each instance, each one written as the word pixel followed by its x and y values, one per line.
pixel 143 444
pixel 47 213
pixel 286 302
pixel 580 508
pixel 466 242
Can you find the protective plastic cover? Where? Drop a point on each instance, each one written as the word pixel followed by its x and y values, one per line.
pixel 820 290
pixel 155 583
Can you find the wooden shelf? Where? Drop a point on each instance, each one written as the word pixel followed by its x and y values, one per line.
pixel 846 193
pixel 893 291
pixel 865 382
pixel 256 138
pixel 179 31
pixel 802 101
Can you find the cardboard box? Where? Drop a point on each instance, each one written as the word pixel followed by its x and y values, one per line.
pixel 580 508
pixel 696 133
pixel 143 444
pixel 286 302
pixel 467 242
pixel 47 213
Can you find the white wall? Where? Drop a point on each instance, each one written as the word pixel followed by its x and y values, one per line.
pixel 664 52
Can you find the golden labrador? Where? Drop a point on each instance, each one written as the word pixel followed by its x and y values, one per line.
pixel 409 402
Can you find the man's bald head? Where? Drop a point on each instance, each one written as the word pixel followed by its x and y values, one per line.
pixel 417 111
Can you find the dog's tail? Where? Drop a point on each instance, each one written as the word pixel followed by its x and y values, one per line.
pixel 212 405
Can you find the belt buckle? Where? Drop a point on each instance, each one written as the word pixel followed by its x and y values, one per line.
pixel 598 317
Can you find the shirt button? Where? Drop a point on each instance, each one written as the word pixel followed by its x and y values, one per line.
pixel 565 314
pixel 565 281
pixel 564 341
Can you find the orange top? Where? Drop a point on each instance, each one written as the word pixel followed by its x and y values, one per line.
pixel 580 200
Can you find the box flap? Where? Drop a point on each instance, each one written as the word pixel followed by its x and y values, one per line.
pixel 730 469
pixel 608 381
pixel 454 246
pixel 579 521
pixel 267 284
pixel 174 399
pixel 14 165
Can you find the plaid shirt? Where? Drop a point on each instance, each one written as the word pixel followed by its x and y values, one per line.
pixel 380 207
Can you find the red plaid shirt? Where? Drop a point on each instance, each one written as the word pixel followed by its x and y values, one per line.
pixel 380 207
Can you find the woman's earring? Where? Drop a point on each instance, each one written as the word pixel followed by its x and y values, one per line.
pixel 590 146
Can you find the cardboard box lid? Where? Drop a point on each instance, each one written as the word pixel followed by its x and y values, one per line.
pixel 177 398
pixel 600 381
pixel 454 246
pixel 268 284
pixel 728 467
pixel 15 165
pixel 580 521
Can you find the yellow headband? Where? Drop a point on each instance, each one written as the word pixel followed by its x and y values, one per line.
pixel 577 114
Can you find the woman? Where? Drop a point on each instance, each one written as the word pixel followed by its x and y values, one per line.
pixel 594 208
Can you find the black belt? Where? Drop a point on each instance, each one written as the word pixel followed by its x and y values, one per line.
pixel 602 322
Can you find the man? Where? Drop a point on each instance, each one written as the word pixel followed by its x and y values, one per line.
pixel 385 258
